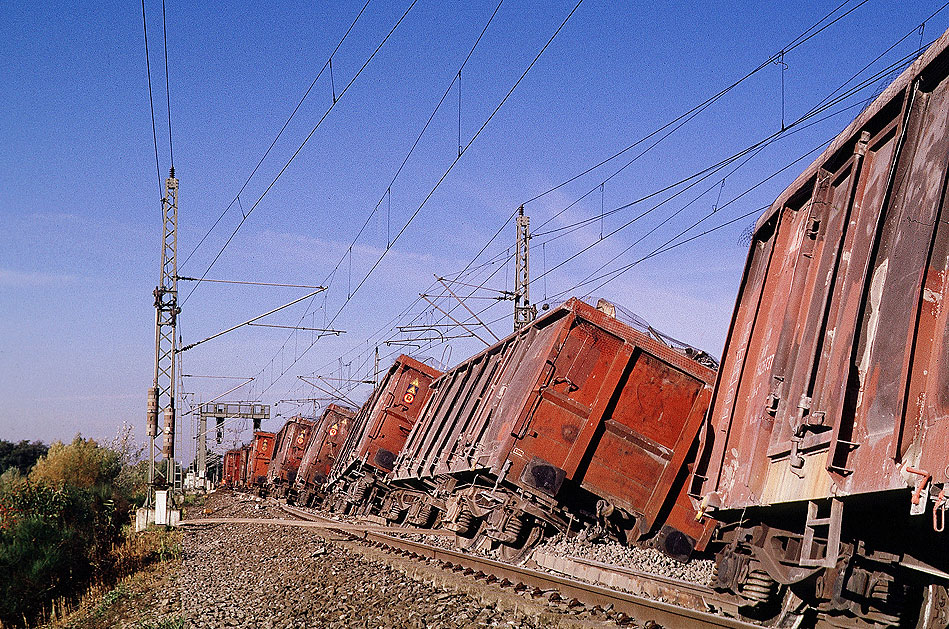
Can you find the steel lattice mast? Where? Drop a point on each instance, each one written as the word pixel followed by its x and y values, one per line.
pixel 524 312
pixel 161 397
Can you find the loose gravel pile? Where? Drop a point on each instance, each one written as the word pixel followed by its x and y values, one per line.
pixel 633 557
pixel 273 577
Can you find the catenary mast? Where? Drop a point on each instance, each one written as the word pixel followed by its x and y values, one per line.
pixel 161 397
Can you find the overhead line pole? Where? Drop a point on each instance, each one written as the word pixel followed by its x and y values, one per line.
pixel 524 312
pixel 161 397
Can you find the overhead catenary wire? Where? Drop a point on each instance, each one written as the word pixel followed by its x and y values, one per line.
pixel 592 277
pixel 718 207
pixel 300 147
pixel 501 229
pixel 388 190
pixel 164 33
pixel 293 113
pixel 711 170
pixel 670 244
pixel 795 43
pixel 441 179
pixel 151 102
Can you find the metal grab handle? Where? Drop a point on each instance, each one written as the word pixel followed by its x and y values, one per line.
pixel 939 520
pixel 926 477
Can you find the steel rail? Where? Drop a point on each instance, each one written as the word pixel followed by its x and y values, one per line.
pixel 546 584
pixel 330 525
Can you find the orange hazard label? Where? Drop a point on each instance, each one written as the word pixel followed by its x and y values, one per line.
pixel 411 392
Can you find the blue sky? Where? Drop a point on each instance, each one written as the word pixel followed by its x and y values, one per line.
pixel 79 200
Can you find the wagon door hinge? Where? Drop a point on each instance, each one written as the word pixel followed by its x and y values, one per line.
pixel 799 428
pixel 771 404
pixel 813 228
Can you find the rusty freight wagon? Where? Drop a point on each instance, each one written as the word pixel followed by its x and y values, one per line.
pixel 232 468
pixel 577 420
pixel 323 451
pixel 830 458
pixel 242 465
pixel 292 441
pixel 259 454
pixel 378 434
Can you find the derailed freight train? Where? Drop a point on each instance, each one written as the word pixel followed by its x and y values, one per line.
pixel 292 441
pixel 377 436
pixel 232 476
pixel 325 446
pixel 828 461
pixel 577 421
pixel 259 454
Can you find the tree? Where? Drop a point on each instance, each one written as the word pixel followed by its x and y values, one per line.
pixel 20 456
pixel 83 464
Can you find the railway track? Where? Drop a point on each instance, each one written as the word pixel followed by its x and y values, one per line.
pixel 687 612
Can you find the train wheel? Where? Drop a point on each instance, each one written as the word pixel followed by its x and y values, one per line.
pixel 530 535
pixel 934 613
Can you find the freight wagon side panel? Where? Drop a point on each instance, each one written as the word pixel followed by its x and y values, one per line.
pixel 455 432
pixel 307 463
pixel 292 441
pixel 347 454
pixel 455 440
pixel 260 456
pixel 245 457
pixel 849 392
pixel 500 424
pixel 602 399
pixel 400 406
pixel 652 427
pixel 337 427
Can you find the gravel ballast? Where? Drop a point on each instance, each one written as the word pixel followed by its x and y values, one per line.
pixel 277 577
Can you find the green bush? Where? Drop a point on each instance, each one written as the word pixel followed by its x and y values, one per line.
pixel 58 527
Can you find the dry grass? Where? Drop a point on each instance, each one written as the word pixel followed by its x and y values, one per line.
pixel 137 552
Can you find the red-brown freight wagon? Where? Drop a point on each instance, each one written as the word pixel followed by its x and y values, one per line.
pixel 232 468
pixel 577 420
pixel 258 459
pixel 322 453
pixel 378 434
pixel 292 441
pixel 242 465
pixel 830 458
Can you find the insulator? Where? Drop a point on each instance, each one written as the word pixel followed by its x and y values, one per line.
pixel 168 447
pixel 151 428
